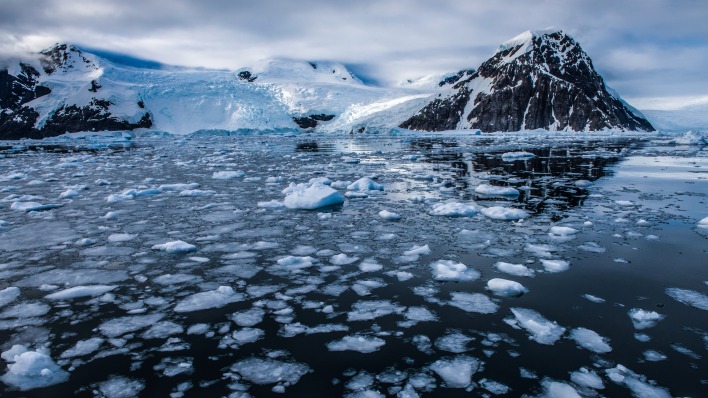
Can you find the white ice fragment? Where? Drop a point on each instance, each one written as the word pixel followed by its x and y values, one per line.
pixel 247 335
pixel 196 192
pixel 312 197
pixel 453 342
pixel 342 259
pixel 555 265
pixel 504 213
pixel 218 298
pixel 9 295
pixel 368 310
pixel 541 329
pixel 513 269
pixel 80 291
pixel 363 344
pixel 637 384
pixel 594 299
pixel 33 206
pixel 473 302
pixel 449 270
pixel 587 378
pixel 69 194
pixel 390 216
pixel 562 232
pixel 494 387
pixel 227 174
pixel 272 204
pixel 583 183
pixel 653 356
pixel 590 340
pixel 293 263
pixel 175 247
pixel 520 155
pixel 689 297
pixel 83 347
pixel 642 319
pixel 119 326
pixel 114 238
pixel 456 372
pixel 556 389
pixel 162 330
pixel 454 209
pixel 418 251
pixel 505 287
pixel 703 223
pixel 369 265
pixel 365 184
pixel 121 387
pixel 492 191
pixel 270 371
pixel 248 317
pixel 28 370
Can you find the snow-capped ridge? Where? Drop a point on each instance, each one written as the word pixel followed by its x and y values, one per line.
pixel 526 38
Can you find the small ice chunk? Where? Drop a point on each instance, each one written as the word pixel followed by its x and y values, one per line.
pixel 368 310
pixel 365 184
pixel 388 215
pixel 248 317
pixel 270 371
pixel 637 384
pixel 218 298
pixel 418 251
pixel 28 370
pixel 121 387
pixel 363 344
pixel 583 183
pixel 370 265
pixel 473 302
pixel 272 204
pixel 513 269
pixel 162 330
pixel 590 340
pixel 689 297
pixel 33 206
pixel 449 270
pixel 454 342
pixel 505 287
pixel 127 324
pixel 541 329
pixel 419 314
pixel 505 213
pixel 653 356
pixel 519 155
pixel 587 378
pixel 594 299
pixel 293 263
pixel 247 335
pixel 175 247
pixel 83 347
pixel 555 265
pixel 80 291
pixel 9 295
pixel 178 186
pixel 227 174
pixel 312 197
pixel 703 223
pixel 642 319
pixel 114 238
pixel 456 372
pixel 494 387
pixel 342 259
pixel 69 194
pixel 556 389
pixel 492 191
pixel 562 232
pixel 454 209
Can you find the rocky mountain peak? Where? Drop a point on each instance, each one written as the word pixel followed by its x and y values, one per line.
pixel 66 57
pixel 537 80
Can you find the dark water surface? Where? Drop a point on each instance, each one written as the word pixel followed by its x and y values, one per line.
pixel 633 205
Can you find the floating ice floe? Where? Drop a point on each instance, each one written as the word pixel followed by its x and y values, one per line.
pixel 506 288
pixel 541 329
pixel 473 302
pixel 83 347
pixel 119 326
pixel 69 194
pixel 33 206
pixel 368 310
pixel 594 299
pixel 587 378
pixel 9 295
pixel 365 184
pixel 449 270
pixel 294 263
pixel 514 269
pixel 504 213
pixel 562 233
pixel 250 317
pixel 227 174
pixel 703 223
pixel 294 329
pixel 454 209
pixel 689 297
pixel 175 247
pixel 555 265
pixel 492 191
pixel 453 342
pixel 342 259
pixel 583 183
pixel 178 187
pixel 28 369
pixel 196 192
pixel 370 265
pixel 642 319
pixel 456 372
pixel 218 298
pixel 636 383
pixel 556 389
pixel 388 215
pixel 520 155
pixel 590 340
pixel 312 197
pixel 653 356
pixel 270 371
pixel 80 291
pixel 363 344
pixel 272 204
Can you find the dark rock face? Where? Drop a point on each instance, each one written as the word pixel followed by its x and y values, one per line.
pixel 19 121
pixel 247 76
pixel 311 121
pixel 456 77
pixel 549 83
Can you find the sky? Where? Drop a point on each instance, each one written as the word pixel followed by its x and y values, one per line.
pixel 653 52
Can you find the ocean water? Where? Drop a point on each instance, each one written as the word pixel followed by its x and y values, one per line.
pixel 171 267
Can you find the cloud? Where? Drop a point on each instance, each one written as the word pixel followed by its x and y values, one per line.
pixel 391 40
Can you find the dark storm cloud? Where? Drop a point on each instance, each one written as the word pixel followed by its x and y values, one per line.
pixel 644 48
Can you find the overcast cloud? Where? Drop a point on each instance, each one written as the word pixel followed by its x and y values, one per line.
pixel 646 49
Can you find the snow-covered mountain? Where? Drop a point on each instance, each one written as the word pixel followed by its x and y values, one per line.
pixel 537 80
pixel 66 90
